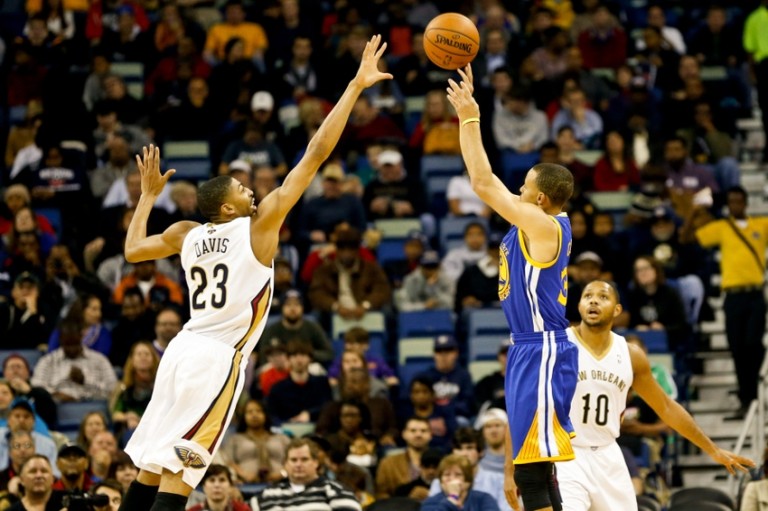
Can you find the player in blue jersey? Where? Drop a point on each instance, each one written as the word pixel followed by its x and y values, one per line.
pixel 542 363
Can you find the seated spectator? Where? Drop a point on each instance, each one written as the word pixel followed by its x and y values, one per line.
pixel 7 399
pixel 114 492
pixel 546 64
pixel 86 310
pixel 275 369
pixel 357 339
pixel 73 372
pixel 474 248
pixel 349 285
pixel 462 199
pixel 456 478
pixel 255 452
pixel 21 447
pixel 92 424
pixel 716 41
pixel 354 423
pixel 489 391
pixel 131 397
pixel 604 44
pixel 193 119
pixel 494 424
pixel 102 453
pixel 110 127
pixel 586 123
pixel 125 193
pixel 684 177
pixel 22 418
pixel 26 221
pixel 415 245
pixel 167 326
pixel 452 383
pixel 122 470
pixel 37 476
pixel 72 462
pixel 438 130
pixel 24 325
pixel 427 287
pixel 299 397
pixel 469 444
pixel 327 252
pixel 423 404
pixel 587 267
pixel 616 170
pixel 118 164
pixel 16 197
pixel 671 36
pixel 403 468
pixel 17 372
pixel 158 290
pixel 752 500
pixel 184 196
pixel 657 63
pixel 519 126
pixel 393 193
pixel 368 125
pixel 136 322
pixel 217 487
pixel 321 214
pixel 566 147
pixel 478 285
pixel 418 489
pixel 235 26
pixel 254 148
pixel 294 326
pixel 303 485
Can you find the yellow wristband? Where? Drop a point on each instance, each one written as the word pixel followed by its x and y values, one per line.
pixel 471 119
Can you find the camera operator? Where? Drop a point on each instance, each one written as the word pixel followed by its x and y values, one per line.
pixel 113 491
pixel 37 492
pixel 73 465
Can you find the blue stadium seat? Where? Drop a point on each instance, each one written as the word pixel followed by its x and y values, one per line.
pixel 390 250
pixel 514 167
pixel 190 169
pixel 452 228
pixel 487 322
pixel 655 340
pixel 376 346
pixel 53 215
pixel 31 356
pixel 427 323
pixel 441 165
pixel 436 189
pixel 69 415
pixel 485 347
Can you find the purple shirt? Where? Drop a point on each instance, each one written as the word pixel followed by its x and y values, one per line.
pixel 376 366
pixel 691 178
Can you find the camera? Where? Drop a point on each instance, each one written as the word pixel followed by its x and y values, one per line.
pixel 84 502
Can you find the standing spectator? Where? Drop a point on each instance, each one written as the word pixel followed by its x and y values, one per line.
pixel 426 287
pixel 519 126
pixel 616 169
pixel 402 468
pixel 349 285
pixel 255 452
pixel 393 194
pixel 303 486
pixel 234 26
pixel 217 487
pixel 478 285
pixel 299 397
pixel 73 372
pixel 586 123
pixel 451 382
pixel 294 326
pixel 604 44
pixel 474 248
pixel 24 326
pixel 17 372
pixel 742 240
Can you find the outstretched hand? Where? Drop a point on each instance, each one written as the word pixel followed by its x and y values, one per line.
pixel 732 462
pixel 369 73
pixel 152 181
pixel 460 95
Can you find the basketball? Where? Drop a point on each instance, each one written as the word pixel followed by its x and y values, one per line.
pixel 451 40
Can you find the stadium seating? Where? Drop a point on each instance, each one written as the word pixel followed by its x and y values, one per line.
pixel 425 323
pixel 414 347
pixel 452 229
pixel 485 347
pixel 441 165
pixel 487 322
pixel 190 158
pixel 70 414
pixel 373 321
pixel 699 495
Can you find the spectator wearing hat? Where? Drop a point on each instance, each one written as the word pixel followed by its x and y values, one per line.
pixel 418 489
pixel 262 111
pixel 426 288
pixel 474 248
pixel 17 373
pixel 349 285
pixel 23 325
pixel 415 245
pixel 252 35
pixel 299 397
pixel 489 391
pixel 321 214
pixel 478 285
pixel 393 194
pixel 294 326
pixel 73 372
pixel 493 423
pixel 586 268
pixel 451 382
pixel 72 462
pixel 22 418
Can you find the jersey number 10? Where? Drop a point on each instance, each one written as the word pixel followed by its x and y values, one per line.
pixel 601 409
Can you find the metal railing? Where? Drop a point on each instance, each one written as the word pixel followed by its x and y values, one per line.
pixel 754 425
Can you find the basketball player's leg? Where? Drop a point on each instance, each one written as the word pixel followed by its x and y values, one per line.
pixel 173 492
pixel 532 480
pixel 142 492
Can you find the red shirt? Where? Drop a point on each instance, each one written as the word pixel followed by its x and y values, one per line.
pixel 269 377
pixel 606 179
pixel 234 505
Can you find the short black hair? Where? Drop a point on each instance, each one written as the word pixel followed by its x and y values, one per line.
pixel 212 194
pixel 737 189
pixel 554 181
pixel 215 470
pixel 468 435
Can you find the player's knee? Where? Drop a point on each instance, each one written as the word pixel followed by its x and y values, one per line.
pixel 532 479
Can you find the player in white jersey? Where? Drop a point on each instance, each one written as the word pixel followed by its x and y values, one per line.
pixel 228 263
pixel 598 479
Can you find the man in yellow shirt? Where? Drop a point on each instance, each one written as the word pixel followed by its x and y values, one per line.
pixel 756 44
pixel 742 241
pixel 234 26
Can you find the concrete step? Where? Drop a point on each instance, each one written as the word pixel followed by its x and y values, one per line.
pixel 714 393
pixel 713 380
pixel 718 341
pixel 727 405
pixel 710 478
pixel 713 354
pixel 716 302
pixel 719 366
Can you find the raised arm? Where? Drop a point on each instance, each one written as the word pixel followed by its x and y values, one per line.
pixel 675 416
pixel 275 206
pixel 529 217
pixel 138 246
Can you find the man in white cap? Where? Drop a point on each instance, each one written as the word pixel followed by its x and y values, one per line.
pixel 262 111
pixel 392 194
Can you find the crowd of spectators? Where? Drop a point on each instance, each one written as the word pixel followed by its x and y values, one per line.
pixel 633 97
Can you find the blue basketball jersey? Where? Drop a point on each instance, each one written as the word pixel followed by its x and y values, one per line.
pixel 533 294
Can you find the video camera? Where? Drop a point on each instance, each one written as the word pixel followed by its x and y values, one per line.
pixel 84 501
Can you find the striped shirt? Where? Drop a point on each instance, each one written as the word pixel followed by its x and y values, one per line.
pixel 319 495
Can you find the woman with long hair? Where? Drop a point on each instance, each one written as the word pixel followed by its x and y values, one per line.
pixel 255 453
pixel 92 424
pixel 616 170
pixel 86 310
pixel 132 396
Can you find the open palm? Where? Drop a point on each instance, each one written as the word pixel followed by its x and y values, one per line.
pixel 369 73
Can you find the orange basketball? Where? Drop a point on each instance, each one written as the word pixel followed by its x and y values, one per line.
pixel 451 40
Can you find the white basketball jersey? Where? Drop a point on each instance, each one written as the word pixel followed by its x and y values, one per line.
pixel 601 392
pixel 230 291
